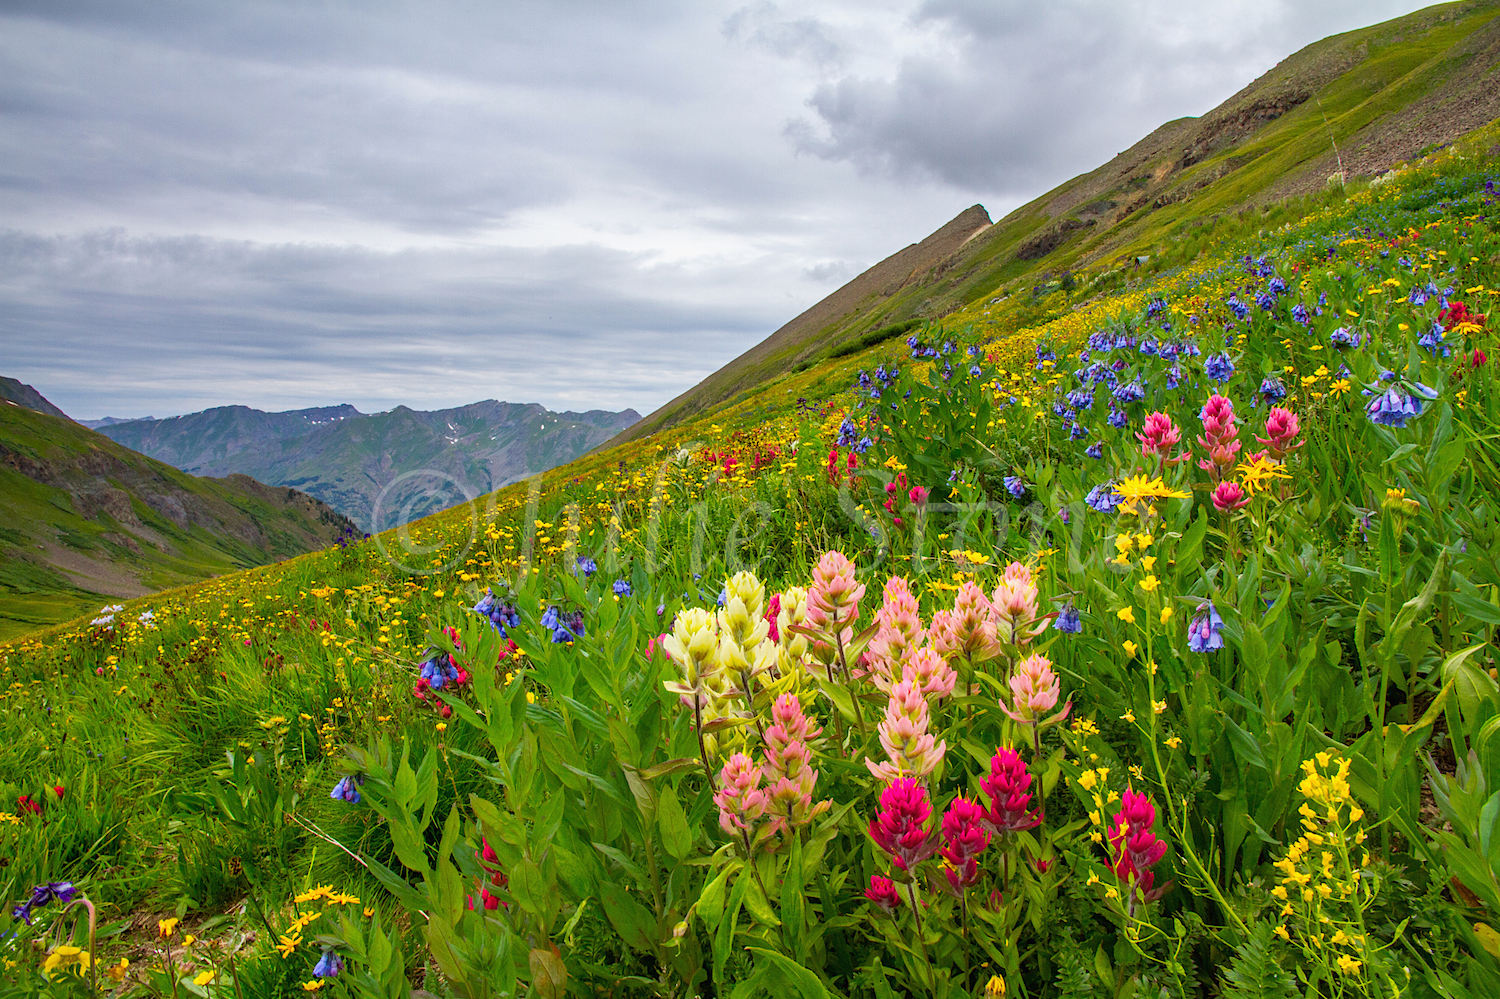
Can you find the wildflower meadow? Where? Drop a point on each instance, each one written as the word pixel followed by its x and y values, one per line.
pixel 1141 648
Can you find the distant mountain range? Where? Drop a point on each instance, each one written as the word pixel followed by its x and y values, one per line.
pixel 110 421
pixel 84 519
pixel 379 469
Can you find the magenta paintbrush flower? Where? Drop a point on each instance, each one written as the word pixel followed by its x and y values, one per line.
pixel 1160 437
pixel 1134 848
pixel 882 892
pixel 1220 436
pixel 1228 497
pixel 965 838
pixel 1281 432
pixel 1008 788
pixel 900 828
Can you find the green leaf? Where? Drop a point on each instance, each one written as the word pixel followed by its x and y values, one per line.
pixel 632 920
pixel 1471 684
pixel 755 900
pixel 671 767
pixel 711 900
pixel 1245 745
pixel 805 982
pixel 676 836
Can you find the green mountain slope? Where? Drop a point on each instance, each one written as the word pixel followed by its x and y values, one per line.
pixel 83 519
pixel 406 462
pixel 1351 105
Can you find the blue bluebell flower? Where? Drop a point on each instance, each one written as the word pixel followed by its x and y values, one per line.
pixel 1103 497
pixel 975 371
pixel 1095 450
pixel 1130 392
pixel 1068 621
pixel 1276 286
pixel 1205 631
pixel 1080 398
pixel 1265 302
pixel 1218 367
pixel 1272 390
pixel 1015 486
pixel 329 965
pixel 1433 341
pixel 622 587
pixel 1174 376
pixel 1393 407
pixel 1240 309
pixel 1155 307
pixel 1299 314
pixel 347 789
pixel 1344 337
pixel 1118 419
pixel 587 566
pixel 1418 295
pixel 1149 347
pixel 549 618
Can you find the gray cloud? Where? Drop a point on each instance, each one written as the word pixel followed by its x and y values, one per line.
pixel 286 204
pixel 1009 96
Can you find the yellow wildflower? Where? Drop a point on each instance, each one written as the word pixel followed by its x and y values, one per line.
pixel 1126 614
pixel 166 927
pixel 203 978
pixel 1150 583
pixel 1173 742
pixel 66 956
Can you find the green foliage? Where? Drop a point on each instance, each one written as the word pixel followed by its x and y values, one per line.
pixel 1255 973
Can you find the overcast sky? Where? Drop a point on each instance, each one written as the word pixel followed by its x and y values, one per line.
pixel 583 204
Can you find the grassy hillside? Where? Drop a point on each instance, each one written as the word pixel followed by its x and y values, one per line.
pixel 83 520
pixel 1378 95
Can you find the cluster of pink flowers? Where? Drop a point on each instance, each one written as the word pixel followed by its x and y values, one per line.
pixel 901 827
pixel 1229 496
pixel 1220 437
pixel 1160 437
pixel 1281 430
pixel 911 751
pixel 969 629
pixel 788 776
pixel 833 599
pixel 1014 604
pixel 788 768
pixel 899 633
pixel 965 837
pixel 1035 690
pixel 1008 788
pixel 1134 848
pixel 740 799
